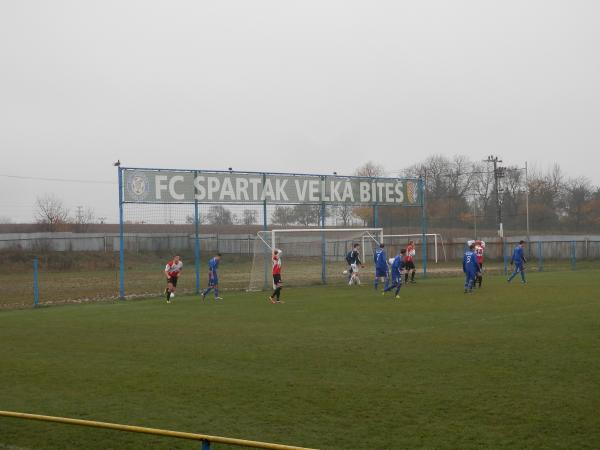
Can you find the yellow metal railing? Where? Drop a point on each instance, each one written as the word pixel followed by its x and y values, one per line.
pixel 206 439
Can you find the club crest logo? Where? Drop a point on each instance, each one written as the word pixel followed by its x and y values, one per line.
pixel 138 186
pixel 411 191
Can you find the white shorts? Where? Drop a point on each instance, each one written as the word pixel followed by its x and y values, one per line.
pixel 354 268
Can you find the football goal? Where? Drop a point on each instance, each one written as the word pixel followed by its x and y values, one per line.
pixel 311 255
pixel 402 240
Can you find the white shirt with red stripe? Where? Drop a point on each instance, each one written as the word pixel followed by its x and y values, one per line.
pixel 173 268
pixel 276 265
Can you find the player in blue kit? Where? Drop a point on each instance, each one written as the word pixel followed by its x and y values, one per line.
pixel 470 268
pixel 396 272
pixel 213 278
pixel 518 259
pixel 381 266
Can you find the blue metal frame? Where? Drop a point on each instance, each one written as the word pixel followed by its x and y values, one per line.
pixel 265 227
pixel 573 255
pixel 323 246
pixel 272 173
pixel 505 256
pixel 540 256
pixel 197 245
pixel 121 238
pixel 423 225
pixel 197 249
pixel 36 286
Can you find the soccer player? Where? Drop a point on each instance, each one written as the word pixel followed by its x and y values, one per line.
pixel 353 260
pixel 409 263
pixel 470 268
pixel 381 266
pixel 213 278
pixel 172 272
pixel 479 249
pixel 396 273
pixel 277 283
pixel 518 259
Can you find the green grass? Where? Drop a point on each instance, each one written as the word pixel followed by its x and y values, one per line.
pixel 510 366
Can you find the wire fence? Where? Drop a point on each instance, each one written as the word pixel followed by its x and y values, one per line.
pixel 81 268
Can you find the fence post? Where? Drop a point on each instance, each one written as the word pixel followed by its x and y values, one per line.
pixel 505 254
pixel 197 244
pixel 573 255
pixel 540 253
pixel 121 238
pixel 36 288
pixel 323 245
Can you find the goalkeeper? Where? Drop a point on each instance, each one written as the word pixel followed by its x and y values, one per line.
pixel 353 260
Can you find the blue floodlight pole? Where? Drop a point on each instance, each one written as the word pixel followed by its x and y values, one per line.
pixel 323 245
pixel 573 255
pixel 421 186
pixel 264 177
pixel 196 238
pixel 540 255
pixel 36 288
pixel 121 238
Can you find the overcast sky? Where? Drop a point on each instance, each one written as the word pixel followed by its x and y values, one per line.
pixel 307 86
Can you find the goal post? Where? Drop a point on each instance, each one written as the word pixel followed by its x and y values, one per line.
pixel 310 255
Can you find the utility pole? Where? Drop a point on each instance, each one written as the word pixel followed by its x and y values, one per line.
pixel 499 172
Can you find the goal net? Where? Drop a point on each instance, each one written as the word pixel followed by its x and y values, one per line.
pixel 311 255
pixel 435 244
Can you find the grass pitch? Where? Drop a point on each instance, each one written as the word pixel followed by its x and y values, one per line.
pixel 509 366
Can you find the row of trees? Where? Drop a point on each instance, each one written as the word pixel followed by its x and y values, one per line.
pixel 460 194
pixel 52 215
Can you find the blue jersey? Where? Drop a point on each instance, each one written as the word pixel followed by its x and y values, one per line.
pixel 518 257
pixel 213 265
pixel 397 266
pixel 380 260
pixel 470 263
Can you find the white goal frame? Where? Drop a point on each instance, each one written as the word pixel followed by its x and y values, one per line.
pixel 359 235
pixel 367 233
pixel 420 235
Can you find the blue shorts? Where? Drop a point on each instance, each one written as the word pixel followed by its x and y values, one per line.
pixel 519 267
pixel 381 273
pixel 471 275
pixel 212 281
pixel 396 279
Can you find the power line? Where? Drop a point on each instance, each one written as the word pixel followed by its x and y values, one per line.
pixel 64 180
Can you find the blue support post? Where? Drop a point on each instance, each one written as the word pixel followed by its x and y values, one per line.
pixel 205 445
pixel 505 255
pixel 421 186
pixel 197 244
pixel 375 217
pixel 540 256
pixel 323 246
pixel 36 286
pixel 573 255
pixel 121 238
pixel 267 259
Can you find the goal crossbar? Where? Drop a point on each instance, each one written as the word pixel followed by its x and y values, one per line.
pixel 426 235
pixel 376 234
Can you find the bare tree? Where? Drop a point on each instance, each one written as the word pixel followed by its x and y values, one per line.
pixel 83 218
pixel 219 215
pixel 345 212
pixel 5 220
pixel 249 217
pixel 50 212
pixel 283 215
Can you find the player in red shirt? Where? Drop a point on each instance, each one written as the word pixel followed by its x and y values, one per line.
pixel 172 272
pixel 277 283
pixel 409 262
